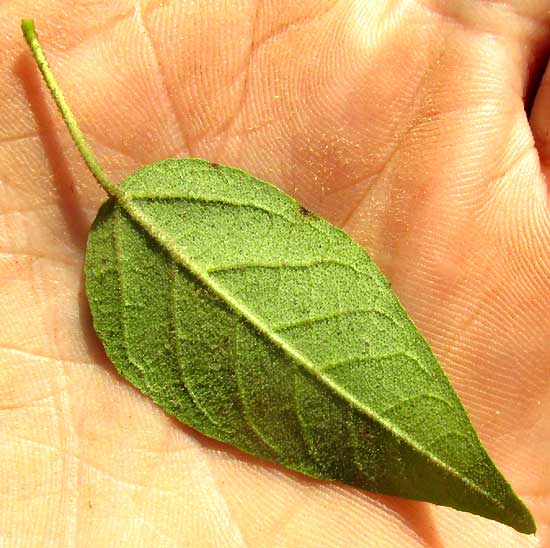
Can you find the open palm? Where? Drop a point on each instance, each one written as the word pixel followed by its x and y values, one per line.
pixel 403 122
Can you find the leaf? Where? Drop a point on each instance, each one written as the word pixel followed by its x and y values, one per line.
pixel 274 331
pixel 264 326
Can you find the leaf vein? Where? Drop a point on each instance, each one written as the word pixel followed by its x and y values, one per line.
pixel 177 345
pixel 357 359
pixel 210 201
pixel 341 313
pixel 451 433
pixel 119 271
pixel 302 424
pixel 411 399
pixel 281 266
pixel 248 416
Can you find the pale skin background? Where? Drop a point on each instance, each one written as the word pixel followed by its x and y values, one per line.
pixel 402 121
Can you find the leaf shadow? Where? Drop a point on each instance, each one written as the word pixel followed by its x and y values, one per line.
pixel 73 214
pixel 415 515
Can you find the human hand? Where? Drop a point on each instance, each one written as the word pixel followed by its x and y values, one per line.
pixel 404 124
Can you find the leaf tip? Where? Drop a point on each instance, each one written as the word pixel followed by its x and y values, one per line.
pixel 523 520
pixel 515 514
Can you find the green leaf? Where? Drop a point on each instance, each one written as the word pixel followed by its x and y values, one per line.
pixel 274 331
pixel 264 326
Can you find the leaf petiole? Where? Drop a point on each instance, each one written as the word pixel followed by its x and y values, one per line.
pixel 27 26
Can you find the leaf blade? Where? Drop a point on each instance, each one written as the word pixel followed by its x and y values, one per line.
pixel 284 289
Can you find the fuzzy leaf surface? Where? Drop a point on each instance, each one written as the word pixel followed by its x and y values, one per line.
pixel 266 327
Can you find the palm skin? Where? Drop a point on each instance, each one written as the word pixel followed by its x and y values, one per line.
pixel 403 122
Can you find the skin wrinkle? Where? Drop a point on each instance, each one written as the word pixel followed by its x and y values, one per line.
pixel 26 353
pixel 246 79
pixel 244 70
pixel 279 524
pixel 298 22
pixel 406 133
pixel 416 518
pixel 26 403
pixel 95 141
pixel 50 232
pixel 315 497
pixel 22 137
pixel 514 163
pixel 351 215
pixel 59 426
pixel 491 186
pixel 64 453
pixel 91 134
pixel 477 186
pixel 142 25
pixel 153 5
pixel 305 502
pixel 157 531
pixel 74 475
pixel 31 497
pixel 487 292
pixel 34 255
pixel 223 499
pixel 36 208
pixel 246 132
pixel 464 322
pixel 28 194
pixel 85 36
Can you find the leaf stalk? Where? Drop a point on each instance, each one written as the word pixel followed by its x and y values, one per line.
pixel 29 31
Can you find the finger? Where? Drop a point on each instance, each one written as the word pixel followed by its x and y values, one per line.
pixel 540 122
pixel 523 27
